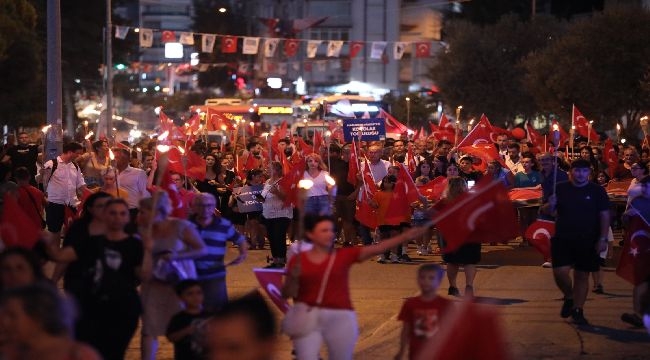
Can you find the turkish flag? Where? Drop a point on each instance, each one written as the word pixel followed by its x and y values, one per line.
pixel 228 44
pixel 193 124
pixel 410 159
pixel 291 47
pixel 271 282
pixel 366 214
pixel 539 235
pixel 535 138
pixel 434 188
pixel 318 141
pixel 251 163
pixel 525 194
pixel 16 229
pixel 190 164
pixel 610 157
pixel 405 182
pixel 293 172
pixel 168 36
pixel 485 214
pixel 353 165
pixel 355 48
pixel 392 125
pixel 480 134
pixel 583 128
pixel 422 49
pixel 165 162
pixel 486 152
pixel 445 124
pixel 216 121
pixel 304 148
pixel 467 330
pixel 634 264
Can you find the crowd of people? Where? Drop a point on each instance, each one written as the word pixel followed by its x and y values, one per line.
pixel 118 220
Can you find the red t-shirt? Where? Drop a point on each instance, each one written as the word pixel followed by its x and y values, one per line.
pixel 31 201
pixel 422 317
pixel 337 291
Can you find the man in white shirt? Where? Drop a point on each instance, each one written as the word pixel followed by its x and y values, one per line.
pixel 513 160
pixel 378 166
pixel 133 180
pixel 502 145
pixel 62 181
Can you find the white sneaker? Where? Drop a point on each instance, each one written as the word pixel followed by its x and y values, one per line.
pixel 420 250
pixel 547 264
pixel 382 259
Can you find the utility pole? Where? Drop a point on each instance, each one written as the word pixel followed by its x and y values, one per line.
pixel 109 71
pixel 53 145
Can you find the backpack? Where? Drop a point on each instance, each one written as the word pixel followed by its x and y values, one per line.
pixel 55 164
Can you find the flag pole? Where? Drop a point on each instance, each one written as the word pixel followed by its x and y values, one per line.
pixel 572 131
pixel 458 109
pixel 556 139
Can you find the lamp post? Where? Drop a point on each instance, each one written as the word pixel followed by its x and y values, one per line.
pixel 109 70
pixel 408 112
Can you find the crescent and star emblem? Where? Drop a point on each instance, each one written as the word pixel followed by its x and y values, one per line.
pixel 471 219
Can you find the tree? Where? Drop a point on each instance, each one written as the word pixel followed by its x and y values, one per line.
pixel 480 68
pixel 21 68
pixel 419 110
pixel 602 65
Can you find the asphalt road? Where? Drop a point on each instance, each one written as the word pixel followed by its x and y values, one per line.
pixel 509 276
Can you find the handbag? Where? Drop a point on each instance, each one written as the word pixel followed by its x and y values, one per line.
pixel 301 319
pixel 172 271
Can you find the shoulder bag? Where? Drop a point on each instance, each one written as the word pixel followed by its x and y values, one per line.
pixel 301 319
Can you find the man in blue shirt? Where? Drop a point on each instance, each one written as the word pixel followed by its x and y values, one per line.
pixel 215 231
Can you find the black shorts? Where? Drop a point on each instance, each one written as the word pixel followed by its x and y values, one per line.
pixel 55 216
pixel 579 252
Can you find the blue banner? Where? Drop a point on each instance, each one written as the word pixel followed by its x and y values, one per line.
pixel 364 129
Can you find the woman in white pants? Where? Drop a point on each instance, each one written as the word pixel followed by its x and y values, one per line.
pixel 329 268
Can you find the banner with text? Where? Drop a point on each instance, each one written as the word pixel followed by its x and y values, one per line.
pixel 364 129
pixel 248 198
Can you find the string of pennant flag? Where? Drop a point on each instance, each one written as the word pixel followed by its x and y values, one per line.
pixel 229 44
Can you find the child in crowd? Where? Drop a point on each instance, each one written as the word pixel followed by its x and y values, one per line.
pixel 420 216
pixel 184 326
pixel 390 217
pixel 421 314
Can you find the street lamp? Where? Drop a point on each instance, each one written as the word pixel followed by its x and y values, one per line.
pixel 408 112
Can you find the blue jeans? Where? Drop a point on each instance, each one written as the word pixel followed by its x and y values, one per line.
pixel 320 205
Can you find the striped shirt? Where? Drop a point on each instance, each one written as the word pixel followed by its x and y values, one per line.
pixel 215 236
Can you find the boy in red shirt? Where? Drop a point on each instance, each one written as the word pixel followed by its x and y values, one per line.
pixel 421 314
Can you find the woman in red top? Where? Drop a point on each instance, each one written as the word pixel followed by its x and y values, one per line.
pixel 337 322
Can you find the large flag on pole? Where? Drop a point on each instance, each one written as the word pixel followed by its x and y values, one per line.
pixel 481 133
pixel 634 264
pixel 484 215
pixel 583 127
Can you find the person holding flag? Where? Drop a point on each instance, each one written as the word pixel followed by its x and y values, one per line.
pixel 469 254
pixel 392 212
pixel 581 208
